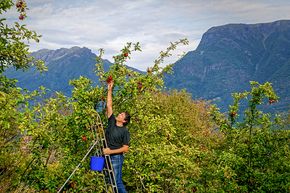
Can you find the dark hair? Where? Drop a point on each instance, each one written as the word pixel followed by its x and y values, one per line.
pixel 127 118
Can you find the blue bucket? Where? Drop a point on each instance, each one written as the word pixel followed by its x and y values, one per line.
pixel 97 163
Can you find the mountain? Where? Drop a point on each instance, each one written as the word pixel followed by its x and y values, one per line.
pixel 230 56
pixel 63 65
pixel 227 58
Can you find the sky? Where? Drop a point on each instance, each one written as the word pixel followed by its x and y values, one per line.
pixel 110 24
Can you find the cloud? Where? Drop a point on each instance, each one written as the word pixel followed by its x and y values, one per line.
pixel 109 24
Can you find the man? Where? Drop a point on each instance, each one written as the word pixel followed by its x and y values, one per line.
pixel 118 138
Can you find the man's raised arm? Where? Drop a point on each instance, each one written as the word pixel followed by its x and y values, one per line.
pixel 109 99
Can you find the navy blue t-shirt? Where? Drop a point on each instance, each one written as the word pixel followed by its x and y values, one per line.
pixel 116 136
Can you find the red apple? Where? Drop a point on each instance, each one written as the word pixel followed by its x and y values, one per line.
pixel 19 4
pixel 139 86
pixel 272 101
pixel 21 17
pixel 84 138
pixel 233 114
pixel 109 79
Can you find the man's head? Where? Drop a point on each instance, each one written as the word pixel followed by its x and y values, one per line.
pixel 124 117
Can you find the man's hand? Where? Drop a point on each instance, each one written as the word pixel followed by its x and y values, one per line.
pixel 107 151
pixel 111 85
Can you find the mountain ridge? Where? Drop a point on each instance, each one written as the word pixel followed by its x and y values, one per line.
pixel 227 58
pixel 64 64
pixel 230 56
